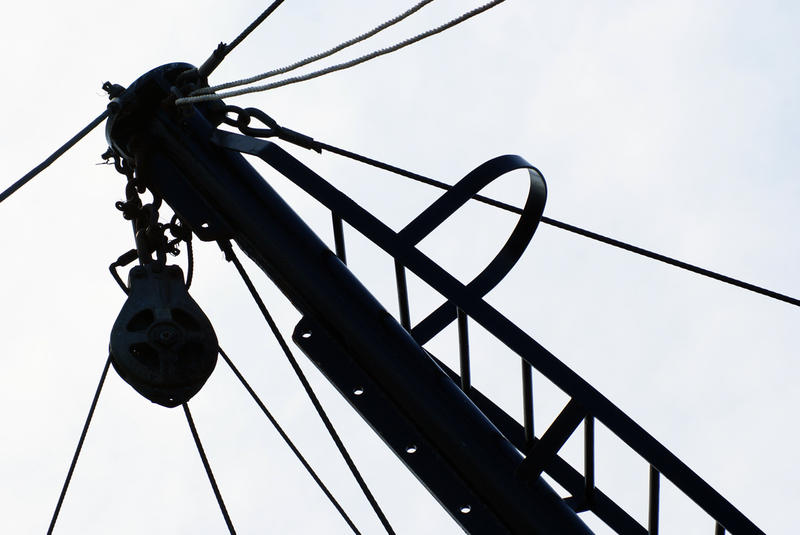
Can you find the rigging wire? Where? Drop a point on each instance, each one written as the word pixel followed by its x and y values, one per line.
pixel 223 50
pixel 672 261
pixel 79 447
pixel 207 466
pixel 53 157
pixel 345 65
pixel 315 57
pixel 253 25
pixel 289 442
pixel 318 145
pixel 231 257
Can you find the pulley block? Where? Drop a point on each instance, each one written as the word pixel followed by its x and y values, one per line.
pixel 162 344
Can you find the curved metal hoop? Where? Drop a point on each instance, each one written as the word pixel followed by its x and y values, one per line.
pixel 509 254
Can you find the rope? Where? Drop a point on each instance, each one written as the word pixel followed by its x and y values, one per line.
pixel 289 442
pixel 231 257
pixel 208 469
pixel 345 65
pixel 80 446
pixel 315 57
pixel 53 157
pixel 318 145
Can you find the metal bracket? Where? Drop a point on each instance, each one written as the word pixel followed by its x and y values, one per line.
pixel 543 451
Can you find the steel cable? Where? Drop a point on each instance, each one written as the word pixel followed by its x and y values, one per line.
pixel 223 50
pixel 207 466
pixel 231 256
pixel 53 157
pixel 318 145
pixel 79 447
pixel 289 442
pixel 253 25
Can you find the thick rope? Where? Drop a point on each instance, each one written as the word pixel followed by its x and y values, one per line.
pixel 345 65
pixel 315 57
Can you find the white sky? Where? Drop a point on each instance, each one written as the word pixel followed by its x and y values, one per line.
pixel 669 125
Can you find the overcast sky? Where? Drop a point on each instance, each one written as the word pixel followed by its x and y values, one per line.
pixel 669 125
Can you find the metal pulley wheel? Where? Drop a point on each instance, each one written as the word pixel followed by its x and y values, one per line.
pixel 162 344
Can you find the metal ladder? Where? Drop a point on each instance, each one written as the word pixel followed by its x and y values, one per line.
pixel 586 406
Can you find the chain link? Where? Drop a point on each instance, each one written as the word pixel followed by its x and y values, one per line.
pixel 150 234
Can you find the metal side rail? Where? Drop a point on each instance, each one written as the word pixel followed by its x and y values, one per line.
pixel 585 400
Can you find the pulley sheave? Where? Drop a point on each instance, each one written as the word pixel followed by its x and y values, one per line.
pixel 162 344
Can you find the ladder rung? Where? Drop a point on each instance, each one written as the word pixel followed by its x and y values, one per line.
pixel 588 456
pixel 652 517
pixel 463 350
pixel 527 402
pixel 402 295
pixel 338 237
